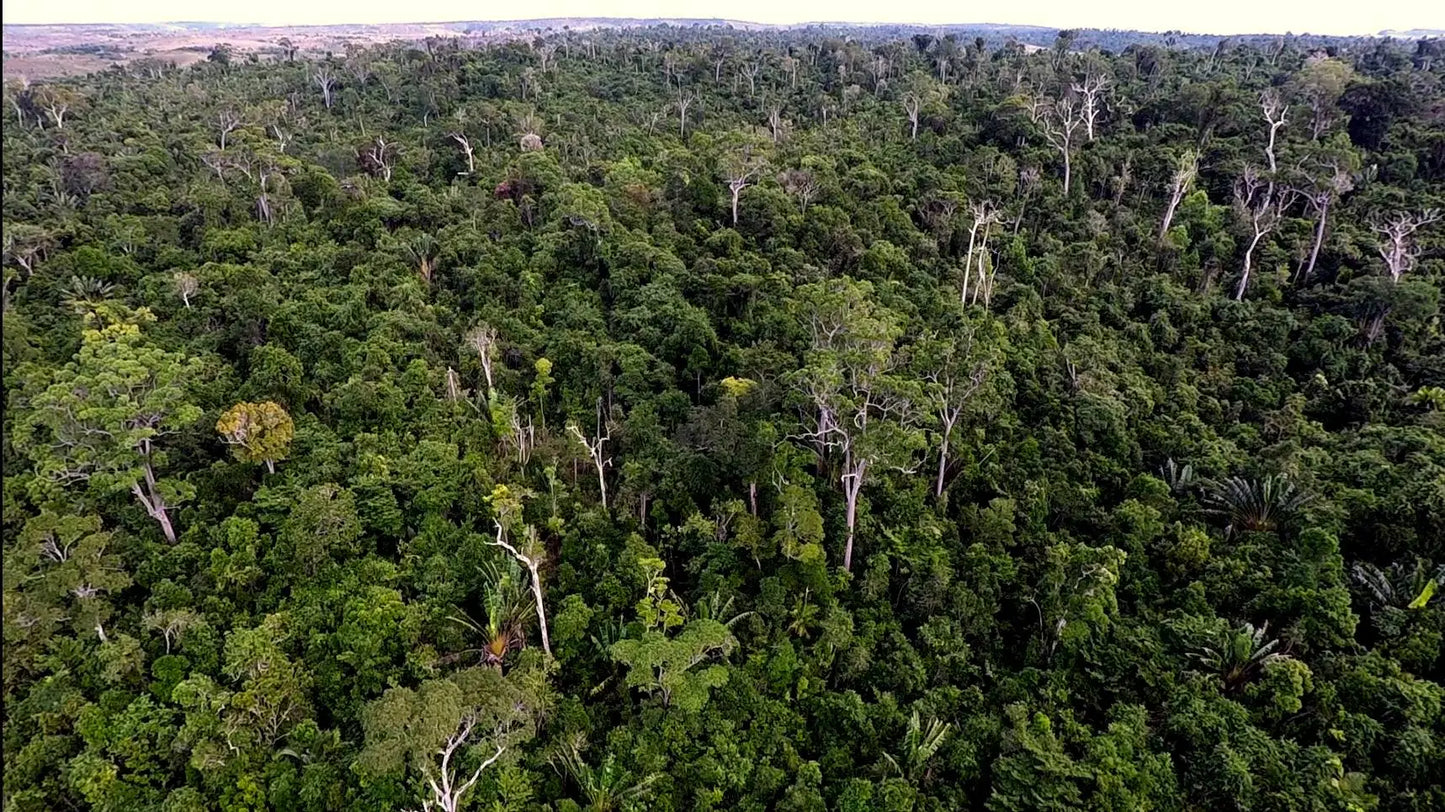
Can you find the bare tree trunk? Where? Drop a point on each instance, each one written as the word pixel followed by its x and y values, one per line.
pixel 943 456
pixel 1184 176
pixel 594 450
pixel 1090 91
pixel 533 565
pixel 1274 110
pixel 852 487
pixel 154 504
pixel 1174 200
pixel 1309 268
pixel 1248 258
pixel 466 145
pixel 1264 204
pixel 684 102
pixel 968 261
pixel 1399 249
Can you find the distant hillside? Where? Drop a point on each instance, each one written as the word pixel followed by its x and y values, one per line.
pixel 39 51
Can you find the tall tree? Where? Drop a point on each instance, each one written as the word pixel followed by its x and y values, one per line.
pixel 106 417
pixel 860 412
pixel 449 731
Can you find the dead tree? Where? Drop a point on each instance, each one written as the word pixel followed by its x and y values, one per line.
pixel 859 411
pixel 446 786
pixel 1320 198
pixel 1263 206
pixel 530 133
pixel 186 286
pixel 790 65
pixel 26 245
pixel 950 388
pixel 530 83
pixel 1398 247
pixel 740 175
pixel 1060 126
pixel 227 121
pixel 523 435
pixel 685 100
pixel 1091 100
pixel 466 146
pixel 359 67
pixel 985 215
pixel 879 69
pixel 939 215
pixel 283 138
pixel 1184 173
pixel 264 171
pixel 546 56
pixel 17 92
pixel 216 162
pixel 775 120
pixel 455 392
pixel 1037 106
pixel 482 339
pixel 326 80
pixel 800 183
pixel 55 102
pixel 378 158
pixel 750 72
pixel 595 451
pixel 1028 182
pixel 913 104
pixel 1274 110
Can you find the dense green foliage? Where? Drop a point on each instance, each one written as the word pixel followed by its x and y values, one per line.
pixel 649 421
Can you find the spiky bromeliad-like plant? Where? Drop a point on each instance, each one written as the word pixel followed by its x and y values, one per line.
pixel 1256 504
pixel 607 787
pixel 508 608
pixel 1239 654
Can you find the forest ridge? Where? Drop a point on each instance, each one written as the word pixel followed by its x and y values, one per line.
pixel 681 418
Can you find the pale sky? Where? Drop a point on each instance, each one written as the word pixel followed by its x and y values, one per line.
pixel 1201 16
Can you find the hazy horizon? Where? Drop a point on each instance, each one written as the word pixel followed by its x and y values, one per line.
pixel 1221 17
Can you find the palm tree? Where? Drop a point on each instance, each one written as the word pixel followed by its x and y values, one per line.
pixel 508 608
pixel 606 788
pixel 1239 654
pixel 715 608
pixel 84 292
pixel 920 743
pixel 1402 586
pixel 1257 504
pixel 1178 477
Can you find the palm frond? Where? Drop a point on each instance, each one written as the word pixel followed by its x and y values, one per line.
pixel 1238 654
pixel 1251 504
pixel 1178 477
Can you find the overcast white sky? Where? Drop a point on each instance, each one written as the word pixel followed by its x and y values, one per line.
pixel 1203 16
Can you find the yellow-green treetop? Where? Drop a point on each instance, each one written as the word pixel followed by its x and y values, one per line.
pixel 258 432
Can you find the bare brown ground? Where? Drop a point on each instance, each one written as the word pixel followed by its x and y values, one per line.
pixel 48 51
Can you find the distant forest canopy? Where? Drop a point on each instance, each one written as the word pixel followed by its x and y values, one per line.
pixel 670 418
pixel 1109 41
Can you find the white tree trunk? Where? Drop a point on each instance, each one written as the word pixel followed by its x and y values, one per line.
pixel 1248 259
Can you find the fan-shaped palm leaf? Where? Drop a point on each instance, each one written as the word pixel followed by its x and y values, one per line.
pixel 1240 653
pixel 1257 504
